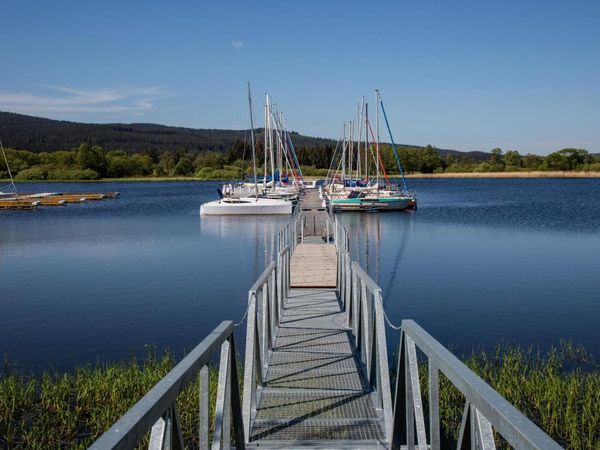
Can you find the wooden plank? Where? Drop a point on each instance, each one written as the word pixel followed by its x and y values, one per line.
pixel 314 265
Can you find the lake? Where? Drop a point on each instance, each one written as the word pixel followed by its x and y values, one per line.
pixel 482 261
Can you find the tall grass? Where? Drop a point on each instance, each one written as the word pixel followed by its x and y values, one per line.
pixel 559 390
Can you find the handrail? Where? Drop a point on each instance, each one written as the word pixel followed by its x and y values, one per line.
pixel 485 409
pixel 404 421
pixel 265 305
pixel 156 412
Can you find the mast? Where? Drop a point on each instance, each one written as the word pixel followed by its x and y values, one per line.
pixel 271 151
pixel 344 158
pixel 265 148
pixel 367 141
pixel 360 125
pixel 377 134
pixel 252 138
pixel 351 150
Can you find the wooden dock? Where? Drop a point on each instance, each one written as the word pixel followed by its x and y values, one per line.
pixel 31 201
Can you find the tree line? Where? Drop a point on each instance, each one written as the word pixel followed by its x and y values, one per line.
pixel 91 162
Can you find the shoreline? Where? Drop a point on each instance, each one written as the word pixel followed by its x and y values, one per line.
pixel 503 175
pixel 523 174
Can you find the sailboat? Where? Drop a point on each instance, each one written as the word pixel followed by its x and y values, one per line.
pixel 364 194
pixel 235 202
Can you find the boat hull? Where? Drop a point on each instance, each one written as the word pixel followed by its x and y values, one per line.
pixel 366 204
pixel 246 207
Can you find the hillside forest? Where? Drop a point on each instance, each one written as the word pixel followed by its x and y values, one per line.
pixel 46 149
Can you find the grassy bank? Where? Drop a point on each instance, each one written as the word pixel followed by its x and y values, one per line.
pixel 559 390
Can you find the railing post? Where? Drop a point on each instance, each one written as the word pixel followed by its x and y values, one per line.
pixel 273 286
pixel 348 279
pixel 364 333
pixel 279 269
pixel 413 393
pixel 267 317
pixel 400 404
pixel 203 409
pixel 222 408
pixel 434 406
pixel 236 410
pixel 252 370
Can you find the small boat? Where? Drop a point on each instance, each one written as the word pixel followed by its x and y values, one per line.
pixel 366 201
pixel 238 201
pixel 241 206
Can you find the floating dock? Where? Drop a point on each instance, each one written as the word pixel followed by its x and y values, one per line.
pixel 31 201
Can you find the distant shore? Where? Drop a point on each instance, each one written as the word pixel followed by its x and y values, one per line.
pixel 520 174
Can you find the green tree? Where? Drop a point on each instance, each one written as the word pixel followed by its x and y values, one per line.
pixel 512 158
pixel 568 159
pixel 93 158
pixel 497 163
pixel 533 162
pixel 184 167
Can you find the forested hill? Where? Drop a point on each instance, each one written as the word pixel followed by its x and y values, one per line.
pixel 36 134
pixel 46 135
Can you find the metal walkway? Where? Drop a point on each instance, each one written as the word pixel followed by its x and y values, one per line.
pixel 316 389
pixel 316 369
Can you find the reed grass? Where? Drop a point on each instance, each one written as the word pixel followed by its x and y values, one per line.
pixel 559 390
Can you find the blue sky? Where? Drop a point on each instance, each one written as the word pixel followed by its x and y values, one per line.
pixel 470 75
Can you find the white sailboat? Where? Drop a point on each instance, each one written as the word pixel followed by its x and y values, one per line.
pixel 232 204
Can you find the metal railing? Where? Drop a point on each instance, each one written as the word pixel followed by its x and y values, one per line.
pixel 485 410
pixel 403 412
pixel 156 412
pixel 265 305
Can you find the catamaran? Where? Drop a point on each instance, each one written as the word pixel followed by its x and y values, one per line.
pixel 348 191
pixel 237 200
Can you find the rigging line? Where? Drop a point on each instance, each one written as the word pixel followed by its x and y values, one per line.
pixel 290 146
pixel 246 314
pixel 394 147
pixel 333 157
pixel 390 324
pixel 12 182
pixel 380 160
pixel 287 161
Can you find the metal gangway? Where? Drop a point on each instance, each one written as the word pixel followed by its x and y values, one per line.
pixel 317 373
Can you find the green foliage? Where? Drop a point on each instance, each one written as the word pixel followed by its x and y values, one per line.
pixel 33 173
pixel 568 159
pixel 87 162
pixel 92 158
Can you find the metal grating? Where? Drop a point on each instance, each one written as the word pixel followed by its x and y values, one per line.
pixel 355 430
pixel 315 388
pixel 317 405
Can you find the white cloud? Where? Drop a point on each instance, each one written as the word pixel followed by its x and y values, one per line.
pixel 237 44
pixel 61 99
